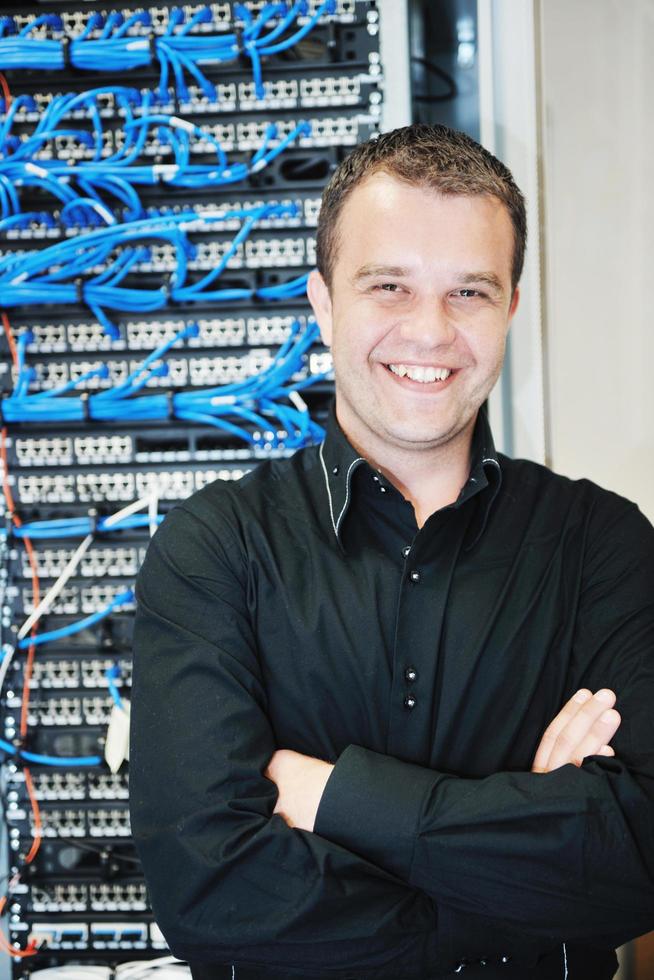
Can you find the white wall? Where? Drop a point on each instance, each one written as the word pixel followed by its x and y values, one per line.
pixel 597 91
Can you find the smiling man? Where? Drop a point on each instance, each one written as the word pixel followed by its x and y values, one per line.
pixel 374 733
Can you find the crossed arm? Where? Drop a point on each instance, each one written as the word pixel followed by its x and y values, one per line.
pixel 561 851
pixel 583 727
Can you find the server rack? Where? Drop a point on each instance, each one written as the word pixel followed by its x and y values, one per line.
pixel 227 194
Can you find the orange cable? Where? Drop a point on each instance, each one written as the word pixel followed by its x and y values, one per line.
pixel 38 824
pixel 8 332
pixel 31 949
pixel 5 90
pixel 36 842
pixel 11 507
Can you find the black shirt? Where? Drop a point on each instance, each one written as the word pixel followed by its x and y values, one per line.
pixel 302 608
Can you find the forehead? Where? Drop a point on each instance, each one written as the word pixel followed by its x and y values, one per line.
pixel 384 217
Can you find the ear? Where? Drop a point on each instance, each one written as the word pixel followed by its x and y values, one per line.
pixel 321 303
pixel 515 299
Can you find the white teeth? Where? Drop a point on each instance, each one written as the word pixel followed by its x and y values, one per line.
pixel 419 373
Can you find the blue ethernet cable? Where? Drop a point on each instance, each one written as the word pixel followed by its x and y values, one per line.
pixel 177 49
pixel 74 527
pixel 112 673
pixel 51 760
pixel 115 174
pixel 259 400
pixel 37 277
pixel 64 631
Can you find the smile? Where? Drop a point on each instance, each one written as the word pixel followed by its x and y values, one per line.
pixel 420 372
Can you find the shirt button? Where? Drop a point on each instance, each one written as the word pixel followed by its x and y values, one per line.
pixel 415 576
pixel 461 965
pixel 409 702
pixel 483 961
pixel 382 489
pixel 375 478
pixel 406 551
pixel 410 673
pixel 335 471
pixel 505 959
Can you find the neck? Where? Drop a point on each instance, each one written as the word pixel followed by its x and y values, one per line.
pixel 429 478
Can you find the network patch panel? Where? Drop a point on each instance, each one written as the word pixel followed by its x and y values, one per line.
pixel 222 16
pixel 120 486
pixel 77 896
pixel 326 130
pixel 102 560
pixel 73 670
pixel 72 785
pixel 147 334
pixel 39 232
pixel 259 252
pixel 185 370
pixel 78 935
pixel 92 821
pixel 320 91
pixel 147 445
pixel 79 599
pixel 81 896
pixel 74 936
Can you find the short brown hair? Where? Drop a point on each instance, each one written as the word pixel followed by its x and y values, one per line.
pixel 424 155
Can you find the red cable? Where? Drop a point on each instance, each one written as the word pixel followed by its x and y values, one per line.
pixel 31 949
pixel 5 91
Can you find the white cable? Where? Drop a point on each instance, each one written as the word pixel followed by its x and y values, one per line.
pixel 74 561
pixel 73 973
pixel 153 504
pixel 126 511
pixel 565 963
pixel 52 594
pixel 164 968
pixel 67 572
pixel 4 666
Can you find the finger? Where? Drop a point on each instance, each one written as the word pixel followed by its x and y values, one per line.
pixel 556 726
pixel 606 750
pixel 599 736
pixel 565 747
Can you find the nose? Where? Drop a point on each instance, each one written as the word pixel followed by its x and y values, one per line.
pixel 427 326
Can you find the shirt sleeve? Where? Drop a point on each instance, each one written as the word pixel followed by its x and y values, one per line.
pixel 227 878
pixel 568 853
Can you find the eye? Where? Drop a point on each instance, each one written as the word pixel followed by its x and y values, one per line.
pixel 468 293
pixel 387 287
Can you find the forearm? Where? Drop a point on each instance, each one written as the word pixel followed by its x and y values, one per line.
pixel 225 874
pixel 567 853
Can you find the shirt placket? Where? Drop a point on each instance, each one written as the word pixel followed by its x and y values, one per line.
pixel 429 563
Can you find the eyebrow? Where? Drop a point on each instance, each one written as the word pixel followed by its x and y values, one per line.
pixel 488 278
pixel 397 271
pixel 371 271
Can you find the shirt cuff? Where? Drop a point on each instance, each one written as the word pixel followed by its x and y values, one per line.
pixel 371 805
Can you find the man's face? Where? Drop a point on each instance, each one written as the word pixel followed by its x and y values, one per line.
pixel 418 312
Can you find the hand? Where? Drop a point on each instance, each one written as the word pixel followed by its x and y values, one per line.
pixel 300 780
pixel 585 726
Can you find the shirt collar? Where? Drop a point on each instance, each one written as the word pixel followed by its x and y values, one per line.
pixel 485 477
pixel 339 460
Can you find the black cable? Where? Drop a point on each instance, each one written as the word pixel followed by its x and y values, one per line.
pixel 102 851
pixel 444 76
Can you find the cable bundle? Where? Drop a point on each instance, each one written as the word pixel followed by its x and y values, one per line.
pixel 257 401
pixel 83 189
pixel 177 50
pixel 54 274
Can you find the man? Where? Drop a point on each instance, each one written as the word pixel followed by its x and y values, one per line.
pixel 374 733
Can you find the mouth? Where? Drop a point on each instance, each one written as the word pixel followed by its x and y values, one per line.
pixel 429 376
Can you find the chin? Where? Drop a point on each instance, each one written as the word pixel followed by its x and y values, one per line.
pixel 409 436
